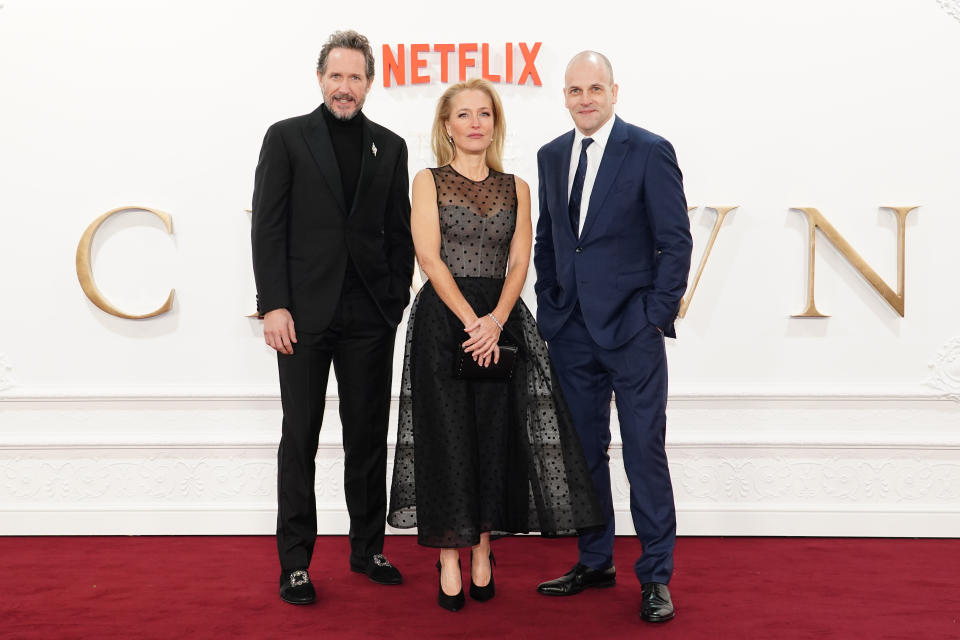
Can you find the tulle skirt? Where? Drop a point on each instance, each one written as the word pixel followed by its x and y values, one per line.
pixel 475 456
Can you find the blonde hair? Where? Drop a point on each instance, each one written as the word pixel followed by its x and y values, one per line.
pixel 443 148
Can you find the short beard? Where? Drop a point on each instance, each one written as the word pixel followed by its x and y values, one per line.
pixel 341 116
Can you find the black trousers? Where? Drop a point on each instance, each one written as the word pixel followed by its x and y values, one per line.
pixel 360 343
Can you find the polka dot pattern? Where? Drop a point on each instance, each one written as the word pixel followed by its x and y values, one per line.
pixel 477 220
pixel 498 456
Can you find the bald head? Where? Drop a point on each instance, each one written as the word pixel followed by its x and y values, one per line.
pixel 594 58
pixel 589 91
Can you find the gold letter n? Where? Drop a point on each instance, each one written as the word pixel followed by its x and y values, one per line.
pixel 815 220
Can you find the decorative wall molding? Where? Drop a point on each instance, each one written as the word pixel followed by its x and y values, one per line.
pixel 945 369
pixel 6 369
pixel 951 6
pixel 703 475
pixel 719 491
pixel 859 479
pixel 741 465
pixel 679 393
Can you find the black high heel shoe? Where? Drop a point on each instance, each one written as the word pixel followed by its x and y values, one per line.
pixel 486 592
pixel 450 603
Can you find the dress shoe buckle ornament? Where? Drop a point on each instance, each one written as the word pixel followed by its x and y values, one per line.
pixel 295 588
pixel 377 568
pixel 299 577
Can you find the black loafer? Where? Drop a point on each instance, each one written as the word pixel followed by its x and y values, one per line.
pixel 377 568
pixel 656 606
pixel 296 588
pixel 577 579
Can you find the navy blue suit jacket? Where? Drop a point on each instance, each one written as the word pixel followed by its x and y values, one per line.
pixel 629 266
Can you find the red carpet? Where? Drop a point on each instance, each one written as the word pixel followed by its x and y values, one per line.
pixel 211 587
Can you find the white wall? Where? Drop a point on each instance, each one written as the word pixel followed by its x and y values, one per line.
pixel 839 426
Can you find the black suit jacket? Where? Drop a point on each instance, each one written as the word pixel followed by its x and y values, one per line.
pixel 302 232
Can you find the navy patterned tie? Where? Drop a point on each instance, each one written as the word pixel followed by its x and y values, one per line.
pixel 576 193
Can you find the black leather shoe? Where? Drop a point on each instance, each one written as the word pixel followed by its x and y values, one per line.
pixel 577 579
pixel 296 588
pixel 450 603
pixel 487 591
pixel 656 606
pixel 377 568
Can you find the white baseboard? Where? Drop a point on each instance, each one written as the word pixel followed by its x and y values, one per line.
pixel 334 521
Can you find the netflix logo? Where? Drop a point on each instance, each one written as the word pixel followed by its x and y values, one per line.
pixel 403 64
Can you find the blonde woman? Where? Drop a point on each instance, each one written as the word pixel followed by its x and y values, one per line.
pixel 493 455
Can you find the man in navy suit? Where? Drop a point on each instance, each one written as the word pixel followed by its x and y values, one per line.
pixel 612 257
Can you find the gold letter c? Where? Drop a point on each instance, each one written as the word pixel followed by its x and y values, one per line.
pixel 85 271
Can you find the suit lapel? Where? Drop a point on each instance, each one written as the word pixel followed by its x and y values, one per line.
pixel 613 156
pixel 562 162
pixel 321 148
pixel 368 162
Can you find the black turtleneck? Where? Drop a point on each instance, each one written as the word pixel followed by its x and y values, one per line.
pixel 347 137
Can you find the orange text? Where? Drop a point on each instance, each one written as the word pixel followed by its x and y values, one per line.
pixel 399 67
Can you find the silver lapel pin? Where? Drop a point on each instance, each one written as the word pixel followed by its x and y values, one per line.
pixel 373 149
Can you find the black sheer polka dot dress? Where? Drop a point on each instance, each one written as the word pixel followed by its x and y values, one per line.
pixel 474 456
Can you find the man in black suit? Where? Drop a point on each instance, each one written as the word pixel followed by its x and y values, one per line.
pixel 333 262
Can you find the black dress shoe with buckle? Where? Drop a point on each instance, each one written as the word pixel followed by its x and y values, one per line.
pixel 296 588
pixel 577 579
pixel 377 568
pixel 656 606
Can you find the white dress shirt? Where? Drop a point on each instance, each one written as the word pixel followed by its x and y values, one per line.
pixel 594 155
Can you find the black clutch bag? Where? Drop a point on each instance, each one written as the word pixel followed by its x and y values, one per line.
pixel 466 368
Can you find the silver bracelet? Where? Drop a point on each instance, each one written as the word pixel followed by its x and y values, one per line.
pixel 497 322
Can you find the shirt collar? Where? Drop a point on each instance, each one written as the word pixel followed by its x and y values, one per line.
pixel 600 136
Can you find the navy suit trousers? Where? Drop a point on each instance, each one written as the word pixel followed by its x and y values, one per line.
pixel 637 374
